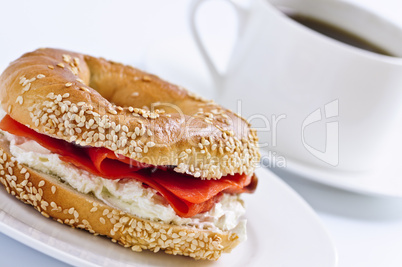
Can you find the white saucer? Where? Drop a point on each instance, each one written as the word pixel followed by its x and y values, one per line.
pixel 178 60
pixel 382 182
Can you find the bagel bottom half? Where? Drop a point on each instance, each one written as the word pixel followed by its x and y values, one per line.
pixel 57 200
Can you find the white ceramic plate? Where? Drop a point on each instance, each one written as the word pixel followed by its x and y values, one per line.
pixel 282 231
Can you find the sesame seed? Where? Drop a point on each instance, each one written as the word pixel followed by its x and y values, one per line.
pixel 26 87
pixel 146 78
pixel 150 144
pixel 136 248
pixel 112 111
pixel 74 70
pixel 22 79
pixel 19 100
pixel 66 58
pixel 68 84
pixel 84 89
pixel 61 65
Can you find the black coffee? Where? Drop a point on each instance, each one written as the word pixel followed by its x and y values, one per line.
pixel 338 33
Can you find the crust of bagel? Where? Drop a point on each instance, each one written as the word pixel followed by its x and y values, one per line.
pixel 54 199
pixel 99 103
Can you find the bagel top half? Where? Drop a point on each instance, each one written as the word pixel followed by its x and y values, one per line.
pixel 94 102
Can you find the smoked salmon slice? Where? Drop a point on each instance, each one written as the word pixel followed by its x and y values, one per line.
pixel 187 195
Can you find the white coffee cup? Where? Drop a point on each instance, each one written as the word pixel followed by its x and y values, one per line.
pixel 314 100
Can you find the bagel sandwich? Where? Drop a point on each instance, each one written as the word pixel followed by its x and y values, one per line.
pixel 119 152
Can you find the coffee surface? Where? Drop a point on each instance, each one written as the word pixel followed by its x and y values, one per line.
pixel 338 33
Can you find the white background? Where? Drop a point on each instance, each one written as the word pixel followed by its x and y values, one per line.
pixel 366 230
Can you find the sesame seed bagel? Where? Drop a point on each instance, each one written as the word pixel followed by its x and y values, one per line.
pixel 99 103
pixel 52 198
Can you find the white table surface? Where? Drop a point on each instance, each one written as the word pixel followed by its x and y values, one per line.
pixel 366 230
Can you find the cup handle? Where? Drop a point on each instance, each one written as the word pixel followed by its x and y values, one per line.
pixel 217 77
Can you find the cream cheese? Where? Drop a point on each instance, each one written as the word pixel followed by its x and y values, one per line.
pixel 127 194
